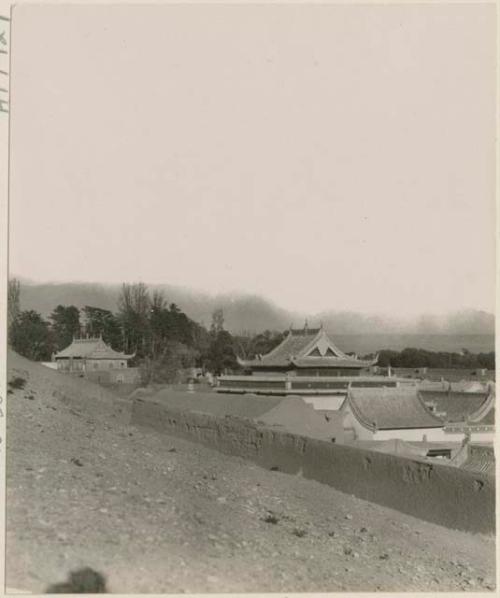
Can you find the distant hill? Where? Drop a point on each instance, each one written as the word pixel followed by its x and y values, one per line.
pixel 469 329
pixel 241 313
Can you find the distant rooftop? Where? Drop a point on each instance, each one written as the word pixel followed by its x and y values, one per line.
pixel 391 408
pixel 90 348
pixel 303 348
pixel 457 406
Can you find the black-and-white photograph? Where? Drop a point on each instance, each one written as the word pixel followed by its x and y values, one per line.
pixel 250 297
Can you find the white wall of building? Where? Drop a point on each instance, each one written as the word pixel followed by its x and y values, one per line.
pixel 331 403
pixel 49 364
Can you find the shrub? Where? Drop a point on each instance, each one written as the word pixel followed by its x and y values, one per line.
pixel 17 383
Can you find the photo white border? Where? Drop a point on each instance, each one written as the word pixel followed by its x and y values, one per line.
pixel 6 11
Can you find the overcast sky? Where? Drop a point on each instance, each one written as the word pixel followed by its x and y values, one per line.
pixel 325 157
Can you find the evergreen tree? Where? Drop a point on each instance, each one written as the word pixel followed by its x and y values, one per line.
pixel 30 336
pixel 65 325
pixel 102 322
pixel 221 355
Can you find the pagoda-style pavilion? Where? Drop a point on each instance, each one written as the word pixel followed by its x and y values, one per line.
pixel 307 352
pixel 89 354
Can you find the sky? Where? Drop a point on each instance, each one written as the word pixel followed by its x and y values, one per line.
pixel 324 157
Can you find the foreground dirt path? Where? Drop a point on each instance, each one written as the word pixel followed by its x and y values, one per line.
pixel 159 514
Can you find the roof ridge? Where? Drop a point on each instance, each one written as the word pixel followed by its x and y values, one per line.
pixel 310 344
pixel 386 394
pixel 483 409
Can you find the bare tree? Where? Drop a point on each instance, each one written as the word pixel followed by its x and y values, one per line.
pixel 14 300
pixel 134 307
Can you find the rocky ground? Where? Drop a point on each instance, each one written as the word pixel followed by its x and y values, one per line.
pixel 158 514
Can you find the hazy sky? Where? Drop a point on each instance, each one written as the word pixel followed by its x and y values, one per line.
pixel 326 157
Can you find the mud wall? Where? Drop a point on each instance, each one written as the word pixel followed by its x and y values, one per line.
pixel 441 494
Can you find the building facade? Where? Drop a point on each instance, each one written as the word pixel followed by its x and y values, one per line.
pixel 405 413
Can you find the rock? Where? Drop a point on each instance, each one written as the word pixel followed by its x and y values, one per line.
pixel 348 517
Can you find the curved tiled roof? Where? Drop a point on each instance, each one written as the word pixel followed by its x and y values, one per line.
pixel 480 459
pixel 391 408
pixel 294 350
pixel 488 418
pixel 90 348
pixel 457 407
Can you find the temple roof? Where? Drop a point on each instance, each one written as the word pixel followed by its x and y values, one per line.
pixel 90 348
pixel 458 406
pixel 306 347
pixel 391 408
pixel 487 418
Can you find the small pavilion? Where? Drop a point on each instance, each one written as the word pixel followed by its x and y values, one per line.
pixel 88 355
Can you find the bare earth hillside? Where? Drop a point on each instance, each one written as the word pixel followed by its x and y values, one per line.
pixel 158 514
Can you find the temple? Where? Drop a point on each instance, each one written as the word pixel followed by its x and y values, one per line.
pixel 307 363
pixel 307 352
pixel 89 354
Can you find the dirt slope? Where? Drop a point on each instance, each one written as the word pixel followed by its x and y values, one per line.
pixel 157 514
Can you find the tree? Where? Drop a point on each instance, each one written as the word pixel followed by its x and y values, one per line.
pixel 221 355
pixel 168 367
pixel 65 325
pixel 30 336
pixel 134 312
pixel 217 321
pixel 102 322
pixel 13 301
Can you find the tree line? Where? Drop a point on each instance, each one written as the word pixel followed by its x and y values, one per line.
pixel 165 341
pixel 162 338
pixel 418 358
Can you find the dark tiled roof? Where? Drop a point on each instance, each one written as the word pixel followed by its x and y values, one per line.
pixel 90 349
pixel 480 459
pixel 295 346
pixel 391 408
pixel 455 406
pixel 488 419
